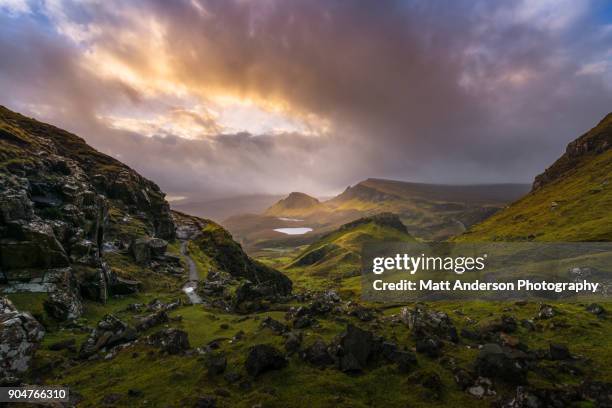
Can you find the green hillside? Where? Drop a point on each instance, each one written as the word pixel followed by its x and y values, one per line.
pixel 429 211
pixel 336 256
pixel 570 201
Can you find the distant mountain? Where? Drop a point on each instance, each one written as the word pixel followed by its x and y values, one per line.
pixel 337 254
pixel 223 208
pixel 296 205
pixel 372 193
pixel 570 201
pixel 429 211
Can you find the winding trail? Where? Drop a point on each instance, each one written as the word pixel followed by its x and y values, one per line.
pixel 193 277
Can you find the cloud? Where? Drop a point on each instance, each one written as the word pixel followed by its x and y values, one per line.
pixel 224 97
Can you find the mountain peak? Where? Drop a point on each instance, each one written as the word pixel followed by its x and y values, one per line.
pixel 295 204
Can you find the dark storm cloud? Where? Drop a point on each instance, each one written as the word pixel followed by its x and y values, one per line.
pixel 417 90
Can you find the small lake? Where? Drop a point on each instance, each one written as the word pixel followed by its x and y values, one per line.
pixel 293 231
pixel 289 219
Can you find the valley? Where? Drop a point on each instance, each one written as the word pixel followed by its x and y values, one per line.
pixel 108 291
pixel 429 211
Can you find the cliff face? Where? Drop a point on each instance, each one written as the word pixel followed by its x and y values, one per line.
pixel 595 142
pixel 57 198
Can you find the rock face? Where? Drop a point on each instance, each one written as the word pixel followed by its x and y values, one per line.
pixel 55 211
pixel 594 142
pixel 20 335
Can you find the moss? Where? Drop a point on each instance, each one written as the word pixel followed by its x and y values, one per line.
pixel 125 267
pixel 575 207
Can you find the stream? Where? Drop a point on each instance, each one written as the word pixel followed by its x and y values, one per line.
pixel 193 277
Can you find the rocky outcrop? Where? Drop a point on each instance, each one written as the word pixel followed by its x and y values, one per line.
pixel 20 335
pixel 57 196
pixel 594 142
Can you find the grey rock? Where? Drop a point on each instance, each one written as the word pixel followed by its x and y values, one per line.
pixel 494 362
pixel 318 354
pixel 262 358
pixel 423 321
pixel 20 336
pixel 172 341
pixel 356 349
pixel 596 309
pixel 109 332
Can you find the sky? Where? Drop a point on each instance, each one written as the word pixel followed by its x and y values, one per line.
pixel 212 99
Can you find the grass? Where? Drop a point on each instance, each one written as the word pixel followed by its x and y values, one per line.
pixel 335 259
pixel 179 380
pixel 573 208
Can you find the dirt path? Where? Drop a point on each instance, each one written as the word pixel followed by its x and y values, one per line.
pixel 193 277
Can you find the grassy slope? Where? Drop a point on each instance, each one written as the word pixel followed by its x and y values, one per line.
pixel 179 380
pixel 583 209
pixel 335 260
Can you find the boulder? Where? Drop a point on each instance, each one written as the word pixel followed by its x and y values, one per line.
pixel 463 378
pixel 318 354
pixel 20 336
pixel 429 345
pixel 495 362
pixel 546 312
pixel 356 348
pixel 172 341
pixel 423 321
pixel 63 304
pixel 109 332
pixel 262 358
pixel 596 309
pixel 152 320
pixel 293 341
